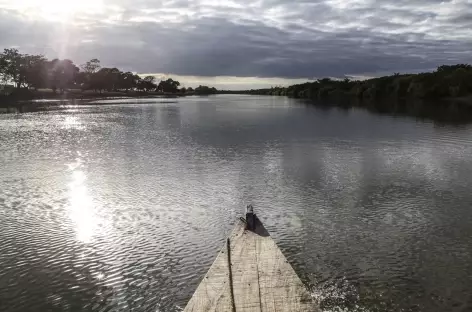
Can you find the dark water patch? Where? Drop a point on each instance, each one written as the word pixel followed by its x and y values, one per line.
pixel 440 112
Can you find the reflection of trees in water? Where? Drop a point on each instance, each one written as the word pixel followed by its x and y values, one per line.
pixel 440 112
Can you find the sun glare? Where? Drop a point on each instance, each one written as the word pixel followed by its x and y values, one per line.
pixel 57 10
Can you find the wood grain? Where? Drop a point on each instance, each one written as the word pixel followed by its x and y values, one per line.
pixel 262 279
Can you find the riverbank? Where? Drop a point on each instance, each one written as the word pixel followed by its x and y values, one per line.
pixel 32 101
pixel 46 94
pixel 447 83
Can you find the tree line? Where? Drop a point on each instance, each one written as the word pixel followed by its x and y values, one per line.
pixel 447 81
pixel 25 71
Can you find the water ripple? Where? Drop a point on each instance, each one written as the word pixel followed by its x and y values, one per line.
pixel 124 207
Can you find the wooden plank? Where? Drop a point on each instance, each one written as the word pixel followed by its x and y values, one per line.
pixel 262 279
pixel 244 266
pixel 213 293
pixel 281 289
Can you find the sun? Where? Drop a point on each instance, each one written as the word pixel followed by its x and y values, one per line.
pixel 56 10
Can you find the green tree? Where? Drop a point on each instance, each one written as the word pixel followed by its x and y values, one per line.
pixel 150 79
pixel 35 71
pixel 451 68
pixel 11 66
pixel 128 81
pixel 204 90
pixel 88 77
pixel 23 70
pixel 91 66
pixel 105 79
pixel 169 86
pixel 112 79
pixel 147 83
pixel 62 74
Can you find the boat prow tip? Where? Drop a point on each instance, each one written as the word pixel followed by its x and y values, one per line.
pixel 250 218
pixel 253 223
pixel 251 274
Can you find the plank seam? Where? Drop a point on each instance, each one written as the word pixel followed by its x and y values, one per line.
pixel 230 274
pixel 258 279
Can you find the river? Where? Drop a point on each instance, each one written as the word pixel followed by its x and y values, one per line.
pixel 123 206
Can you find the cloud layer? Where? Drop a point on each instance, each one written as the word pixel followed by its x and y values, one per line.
pixel 265 38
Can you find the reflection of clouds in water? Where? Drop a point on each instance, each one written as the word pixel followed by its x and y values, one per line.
pixel 273 161
pixel 341 170
pixel 420 161
pixel 402 213
pixel 278 185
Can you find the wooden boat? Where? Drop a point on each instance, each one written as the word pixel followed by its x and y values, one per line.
pixel 250 274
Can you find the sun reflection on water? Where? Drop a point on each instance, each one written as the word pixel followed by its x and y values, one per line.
pixel 72 122
pixel 81 205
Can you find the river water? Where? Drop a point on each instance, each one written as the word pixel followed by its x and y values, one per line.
pixel 123 207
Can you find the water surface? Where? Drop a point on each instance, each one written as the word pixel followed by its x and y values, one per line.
pixel 123 207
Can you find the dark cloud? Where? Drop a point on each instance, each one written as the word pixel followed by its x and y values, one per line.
pixel 271 38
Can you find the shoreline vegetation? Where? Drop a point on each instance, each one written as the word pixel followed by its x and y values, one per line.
pixel 444 95
pixel 32 80
pixel 447 82
pixel 25 77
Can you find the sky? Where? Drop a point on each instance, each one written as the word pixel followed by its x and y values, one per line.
pixel 239 44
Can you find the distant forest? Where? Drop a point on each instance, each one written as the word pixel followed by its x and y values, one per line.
pixel 23 73
pixel 445 82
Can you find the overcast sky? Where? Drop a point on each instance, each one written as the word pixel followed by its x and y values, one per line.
pixel 284 40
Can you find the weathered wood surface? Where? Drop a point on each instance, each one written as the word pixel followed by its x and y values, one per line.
pixel 262 279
